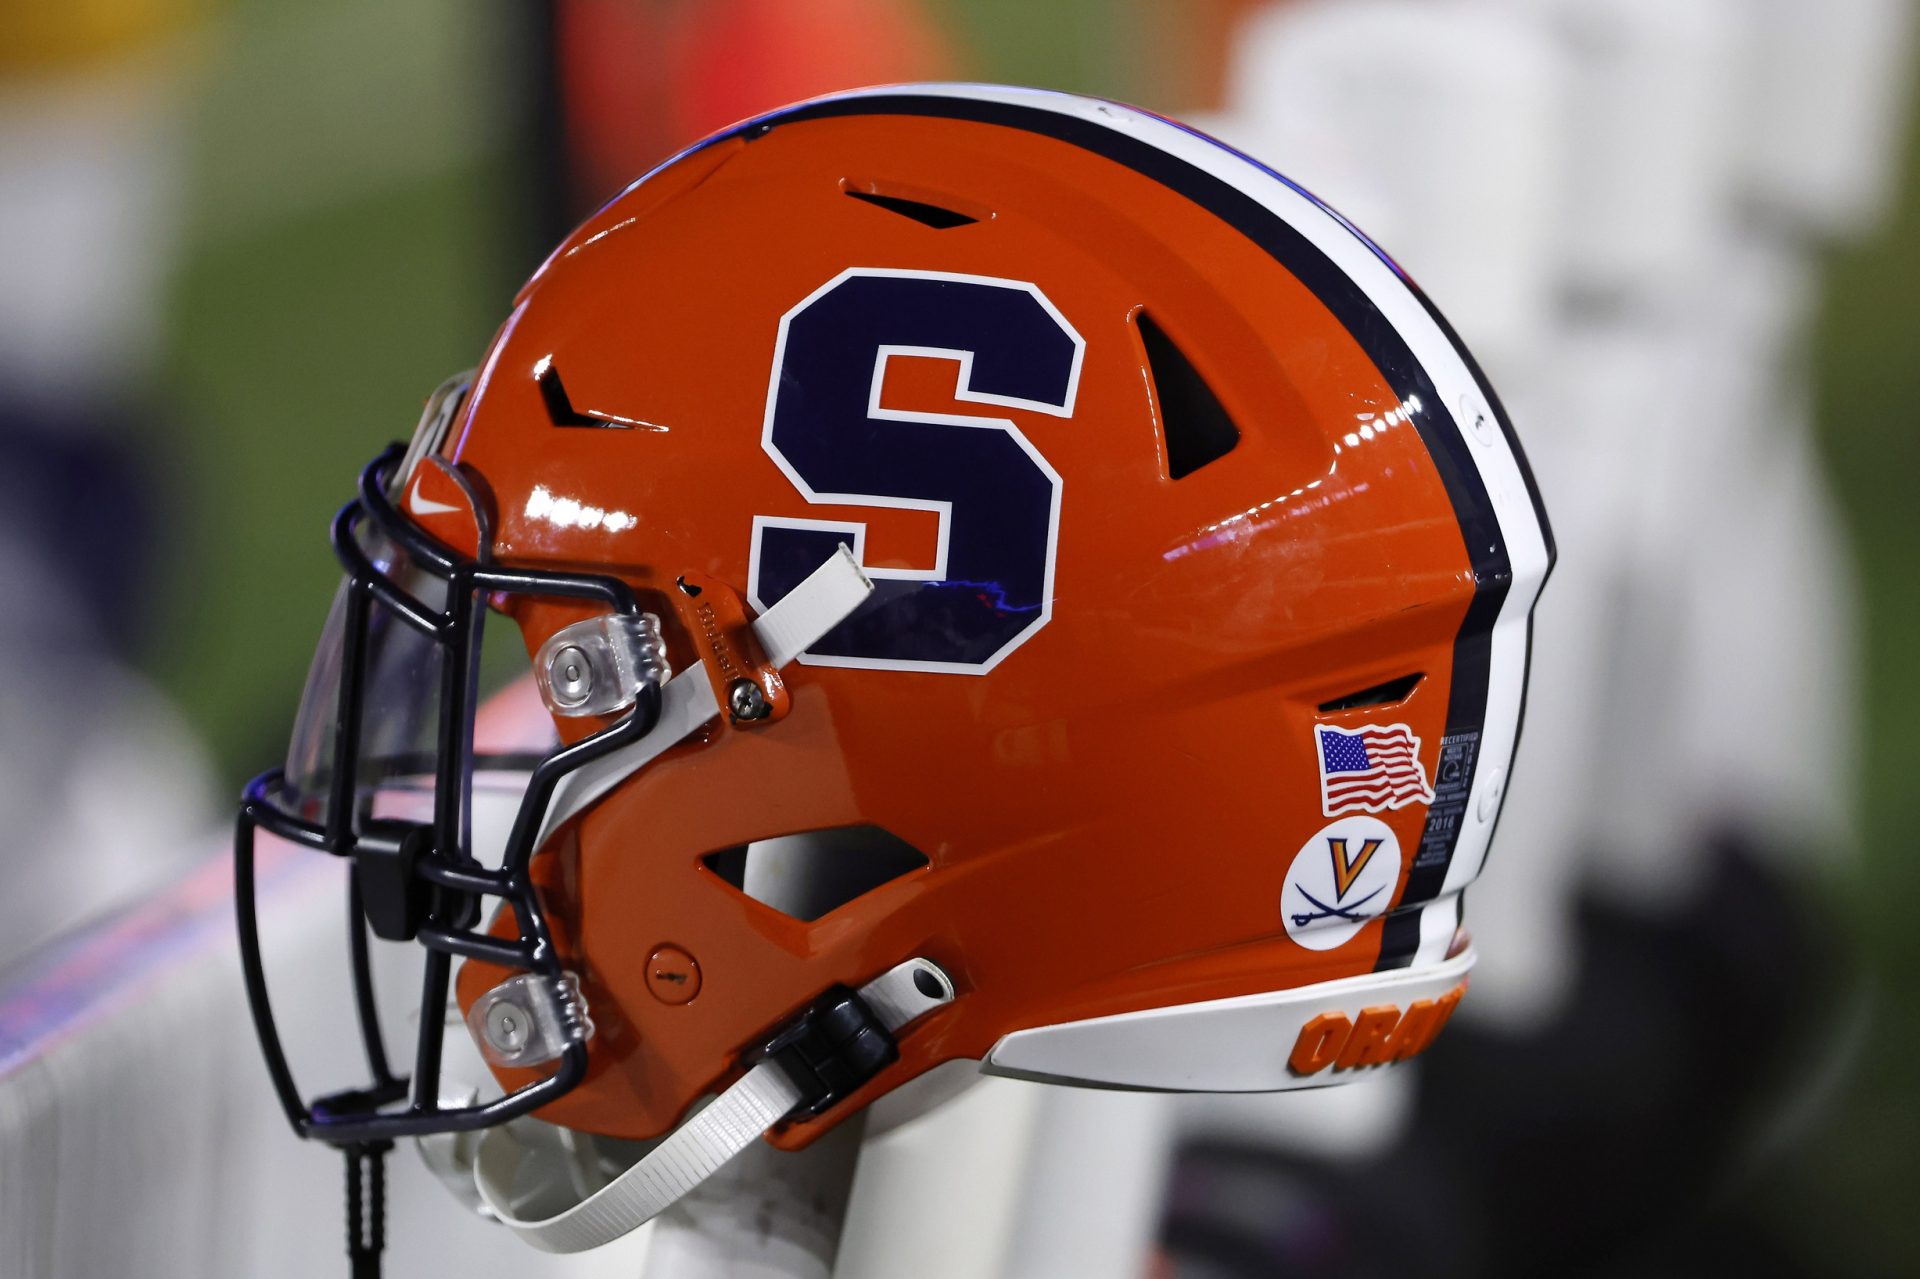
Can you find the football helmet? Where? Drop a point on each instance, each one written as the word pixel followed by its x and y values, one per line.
pixel 1013 582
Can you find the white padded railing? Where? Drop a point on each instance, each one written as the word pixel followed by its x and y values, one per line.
pixel 139 1134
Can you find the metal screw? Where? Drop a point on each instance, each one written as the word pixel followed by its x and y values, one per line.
pixel 746 701
pixel 1479 419
pixel 673 976
pixel 507 1026
pixel 570 676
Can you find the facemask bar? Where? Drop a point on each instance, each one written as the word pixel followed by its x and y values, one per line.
pixel 429 885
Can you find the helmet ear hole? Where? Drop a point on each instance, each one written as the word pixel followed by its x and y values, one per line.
pixel 806 875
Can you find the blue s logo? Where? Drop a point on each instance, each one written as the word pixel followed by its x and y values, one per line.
pixel 997 499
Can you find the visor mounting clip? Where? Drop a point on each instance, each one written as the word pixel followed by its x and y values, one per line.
pixel 394 899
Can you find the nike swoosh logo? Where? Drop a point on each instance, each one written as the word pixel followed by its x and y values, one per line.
pixel 421 504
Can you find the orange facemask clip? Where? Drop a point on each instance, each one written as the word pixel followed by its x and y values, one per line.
pixel 746 684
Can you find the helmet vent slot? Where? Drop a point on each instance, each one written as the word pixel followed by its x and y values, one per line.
pixel 1193 423
pixel 1394 690
pixel 806 875
pixel 938 216
pixel 553 393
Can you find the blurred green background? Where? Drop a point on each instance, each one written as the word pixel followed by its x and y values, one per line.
pixel 361 211
pixel 1867 383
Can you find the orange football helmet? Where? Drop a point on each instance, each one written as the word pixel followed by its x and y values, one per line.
pixel 1014 581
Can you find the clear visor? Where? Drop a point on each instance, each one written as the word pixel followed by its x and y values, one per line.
pixel 397 747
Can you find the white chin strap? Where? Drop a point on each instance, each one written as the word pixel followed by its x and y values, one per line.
pixel 694 1151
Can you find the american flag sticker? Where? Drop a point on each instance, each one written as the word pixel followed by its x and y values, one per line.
pixel 1370 768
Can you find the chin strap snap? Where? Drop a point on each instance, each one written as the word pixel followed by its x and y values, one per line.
pixel 842 1040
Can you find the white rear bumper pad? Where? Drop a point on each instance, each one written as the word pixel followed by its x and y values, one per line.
pixel 1241 1044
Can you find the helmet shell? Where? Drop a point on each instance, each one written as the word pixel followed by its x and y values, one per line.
pixel 980 334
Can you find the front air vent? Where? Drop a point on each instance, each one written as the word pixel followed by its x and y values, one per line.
pixel 1193 422
pixel 1394 690
pixel 928 208
pixel 553 393
pixel 807 875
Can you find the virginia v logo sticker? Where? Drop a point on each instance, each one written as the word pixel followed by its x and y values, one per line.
pixel 1346 870
pixel 1342 877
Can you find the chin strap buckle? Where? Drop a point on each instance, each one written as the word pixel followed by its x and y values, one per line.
pixel 846 1037
pixel 832 1048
